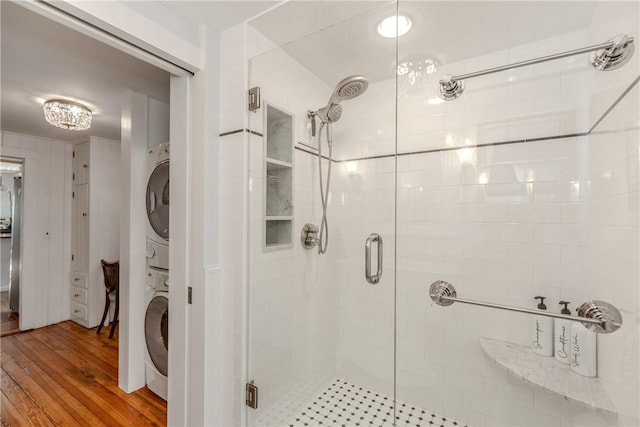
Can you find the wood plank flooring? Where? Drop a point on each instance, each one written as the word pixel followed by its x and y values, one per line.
pixel 66 375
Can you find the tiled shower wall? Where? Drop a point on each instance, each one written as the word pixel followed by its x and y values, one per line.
pixel 504 223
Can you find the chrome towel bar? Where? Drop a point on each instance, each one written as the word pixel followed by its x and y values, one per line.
pixel 600 315
pixel 609 55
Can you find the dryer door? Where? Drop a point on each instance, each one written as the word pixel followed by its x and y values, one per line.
pixel 156 332
pixel 158 200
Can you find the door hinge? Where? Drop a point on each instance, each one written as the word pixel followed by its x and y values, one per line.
pixel 254 98
pixel 74 154
pixel 252 395
pixel 189 295
pixel 73 194
pixel 72 257
pixel 73 176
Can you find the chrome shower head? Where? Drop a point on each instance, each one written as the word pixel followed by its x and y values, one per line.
pixel 346 89
pixel 349 88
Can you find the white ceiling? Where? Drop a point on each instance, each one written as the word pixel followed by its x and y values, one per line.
pixel 42 59
pixel 220 15
pixel 335 39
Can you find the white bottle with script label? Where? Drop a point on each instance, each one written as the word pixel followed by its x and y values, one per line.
pixel 583 350
pixel 542 333
pixel 562 336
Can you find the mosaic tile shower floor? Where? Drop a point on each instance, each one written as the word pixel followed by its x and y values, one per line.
pixel 345 404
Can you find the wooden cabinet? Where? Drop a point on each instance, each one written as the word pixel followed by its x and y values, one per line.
pixel 95 228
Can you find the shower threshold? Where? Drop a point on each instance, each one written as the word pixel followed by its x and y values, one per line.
pixel 345 404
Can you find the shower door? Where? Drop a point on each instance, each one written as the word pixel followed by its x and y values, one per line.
pixel 519 182
pixel 321 336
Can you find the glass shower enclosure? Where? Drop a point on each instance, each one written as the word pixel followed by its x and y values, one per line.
pixel 492 148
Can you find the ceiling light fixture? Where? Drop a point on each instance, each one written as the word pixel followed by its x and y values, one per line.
pixel 394 26
pixel 67 114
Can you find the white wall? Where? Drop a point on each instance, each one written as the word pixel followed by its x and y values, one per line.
pixel 133 222
pixel 611 256
pixel 46 235
pixel 158 113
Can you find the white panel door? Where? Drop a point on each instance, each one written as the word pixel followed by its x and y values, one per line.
pixel 81 163
pixel 80 228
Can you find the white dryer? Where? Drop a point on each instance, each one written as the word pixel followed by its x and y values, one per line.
pixel 156 330
pixel 157 204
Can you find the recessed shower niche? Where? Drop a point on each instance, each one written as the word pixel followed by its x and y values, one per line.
pixel 278 188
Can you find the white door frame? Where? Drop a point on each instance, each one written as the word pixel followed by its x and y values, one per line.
pixel 180 138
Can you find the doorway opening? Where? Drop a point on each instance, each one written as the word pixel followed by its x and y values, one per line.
pixel 10 241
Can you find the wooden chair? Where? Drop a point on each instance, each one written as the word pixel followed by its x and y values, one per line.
pixel 111 272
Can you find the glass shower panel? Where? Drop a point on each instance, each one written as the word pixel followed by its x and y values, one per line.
pixel 524 185
pixel 321 336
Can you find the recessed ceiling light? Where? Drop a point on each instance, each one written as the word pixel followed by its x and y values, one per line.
pixel 394 25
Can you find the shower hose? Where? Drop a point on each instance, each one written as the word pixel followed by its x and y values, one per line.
pixel 323 236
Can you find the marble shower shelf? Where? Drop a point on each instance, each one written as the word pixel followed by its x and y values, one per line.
pixel 276 164
pixel 548 374
pixel 279 218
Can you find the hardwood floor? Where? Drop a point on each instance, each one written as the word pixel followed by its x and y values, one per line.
pixel 66 375
pixel 8 319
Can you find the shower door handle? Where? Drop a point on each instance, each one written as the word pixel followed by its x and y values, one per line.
pixel 373 238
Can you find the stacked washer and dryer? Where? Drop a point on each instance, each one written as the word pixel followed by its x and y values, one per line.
pixel 156 319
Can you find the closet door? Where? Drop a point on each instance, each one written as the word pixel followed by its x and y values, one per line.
pixel 80 229
pixel 81 163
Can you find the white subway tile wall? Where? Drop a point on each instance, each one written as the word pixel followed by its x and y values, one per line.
pixel 556 217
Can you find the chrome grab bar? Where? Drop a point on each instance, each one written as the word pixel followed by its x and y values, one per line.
pixel 373 279
pixel 601 315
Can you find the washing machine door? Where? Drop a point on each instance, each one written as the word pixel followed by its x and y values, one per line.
pixel 156 332
pixel 158 199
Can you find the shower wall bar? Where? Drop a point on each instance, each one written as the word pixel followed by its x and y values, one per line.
pixel 600 315
pixel 608 56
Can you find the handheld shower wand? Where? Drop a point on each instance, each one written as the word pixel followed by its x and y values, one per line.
pixel 346 89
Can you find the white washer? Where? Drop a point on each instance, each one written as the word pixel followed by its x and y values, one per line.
pixel 156 330
pixel 157 206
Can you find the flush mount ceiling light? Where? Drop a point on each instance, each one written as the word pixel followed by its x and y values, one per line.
pixel 394 25
pixel 67 114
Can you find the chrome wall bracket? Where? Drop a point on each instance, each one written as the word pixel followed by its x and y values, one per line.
pixel 309 236
pixel 600 316
pixel 614 57
pixel 610 317
pixel 440 290
pixel 450 88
